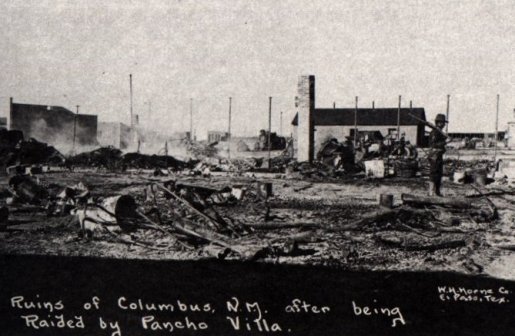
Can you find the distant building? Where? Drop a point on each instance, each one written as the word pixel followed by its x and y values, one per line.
pixel 339 123
pixel 217 136
pixel 510 134
pixel 115 134
pixel 477 135
pixel 314 125
pixel 53 124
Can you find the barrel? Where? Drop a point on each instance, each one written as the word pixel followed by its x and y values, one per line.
pixel 386 200
pixel 116 210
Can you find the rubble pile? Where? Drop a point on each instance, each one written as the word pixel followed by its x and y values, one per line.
pixel 200 151
pixel 113 159
pixel 143 161
pixel 103 157
pixel 15 151
pixel 315 170
pixel 452 165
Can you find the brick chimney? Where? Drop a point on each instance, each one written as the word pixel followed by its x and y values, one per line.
pixel 305 109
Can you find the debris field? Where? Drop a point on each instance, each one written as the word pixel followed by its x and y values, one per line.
pixel 353 222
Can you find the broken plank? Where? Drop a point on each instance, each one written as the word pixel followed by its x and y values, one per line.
pixel 421 201
pixel 189 205
pixel 378 215
pixel 491 204
pixel 281 225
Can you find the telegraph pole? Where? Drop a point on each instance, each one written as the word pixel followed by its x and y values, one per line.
pixel 191 119
pixel 356 123
pixel 496 128
pixel 269 132
pixel 229 131
pixel 75 128
pixel 447 114
pixel 130 90
pixel 281 124
pixel 399 120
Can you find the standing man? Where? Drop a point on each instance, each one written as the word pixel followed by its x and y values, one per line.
pixel 437 142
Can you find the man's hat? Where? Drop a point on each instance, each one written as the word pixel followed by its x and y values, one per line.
pixel 440 117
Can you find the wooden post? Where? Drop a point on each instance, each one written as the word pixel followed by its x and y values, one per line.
pixel 399 119
pixel 447 114
pixel 269 132
pixel 130 91
pixel 281 124
pixel 9 120
pixel 496 128
pixel 356 123
pixel 229 130
pixel 75 128
pixel 191 119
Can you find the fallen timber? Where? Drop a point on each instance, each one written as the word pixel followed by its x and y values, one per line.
pixel 188 204
pixel 282 225
pixel 448 202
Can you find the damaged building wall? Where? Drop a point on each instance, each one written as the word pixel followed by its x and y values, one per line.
pixel 53 124
pixel 339 123
pixel 323 133
pixel 115 134
pixel 217 136
pixel 312 126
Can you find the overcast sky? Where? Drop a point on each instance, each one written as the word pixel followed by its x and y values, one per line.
pixel 81 53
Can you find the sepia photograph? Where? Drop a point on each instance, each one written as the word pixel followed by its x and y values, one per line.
pixel 250 168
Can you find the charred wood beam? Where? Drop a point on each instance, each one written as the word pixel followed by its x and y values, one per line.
pixel 282 225
pixel 189 205
pixel 448 202
pixel 491 205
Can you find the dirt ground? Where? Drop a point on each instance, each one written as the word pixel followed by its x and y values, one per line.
pixel 325 207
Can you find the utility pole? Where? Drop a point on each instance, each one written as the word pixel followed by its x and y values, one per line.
pixel 447 114
pixel 496 128
pixel 75 129
pixel 130 89
pixel 191 119
pixel 399 120
pixel 229 131
pixel 356 123
pixel 269 132
pixel 281 124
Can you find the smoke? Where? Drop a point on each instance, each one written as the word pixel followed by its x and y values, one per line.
pixel 145 140
pixel 61 137
pixel 152 142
